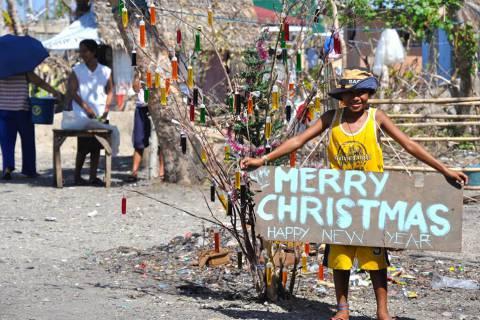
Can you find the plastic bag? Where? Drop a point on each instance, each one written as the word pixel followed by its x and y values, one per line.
pixel 389 50
pixel 439 282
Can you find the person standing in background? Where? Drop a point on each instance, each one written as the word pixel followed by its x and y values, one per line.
pixel 16 117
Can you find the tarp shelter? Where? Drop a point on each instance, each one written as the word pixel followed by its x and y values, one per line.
pixel 83 28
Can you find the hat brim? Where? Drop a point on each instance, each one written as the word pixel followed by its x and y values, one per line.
pixel 337 92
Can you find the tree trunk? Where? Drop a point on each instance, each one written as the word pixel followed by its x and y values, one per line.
pixel 13 13
pixel 2 23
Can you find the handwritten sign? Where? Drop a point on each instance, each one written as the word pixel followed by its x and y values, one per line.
pixel 390 209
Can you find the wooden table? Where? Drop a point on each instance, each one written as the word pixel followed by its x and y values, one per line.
pixel 103 136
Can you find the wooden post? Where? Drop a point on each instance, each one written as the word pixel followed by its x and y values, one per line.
pixel 425 101
pixel 439 124
pixel 427 169
pixel 434 116
pixel 434 139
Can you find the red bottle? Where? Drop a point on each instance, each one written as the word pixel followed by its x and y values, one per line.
pixel 216 237
pixel 124 205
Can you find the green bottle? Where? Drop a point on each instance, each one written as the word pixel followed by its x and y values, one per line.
pixel 203 113
pixel 146 94
pixel 121 5
pixel 198 47
pixel 298 67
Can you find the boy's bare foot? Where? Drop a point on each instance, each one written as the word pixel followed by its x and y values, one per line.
pixel 385 316
pixel 341 315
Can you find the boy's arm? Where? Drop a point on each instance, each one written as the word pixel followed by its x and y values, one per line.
pixel 293 143
pixel 416 149
pixel 35 79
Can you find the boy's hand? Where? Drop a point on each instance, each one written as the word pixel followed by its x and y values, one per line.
pixel 459 177
pixel 251 163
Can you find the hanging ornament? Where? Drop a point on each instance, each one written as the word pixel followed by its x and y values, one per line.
pixel 143 34
pixel 284 56
pixel 203 113
pixel 149 78
pixel 318 104
pixel 134 57
pixel 286 30
pixel 238 105
pixel 192 112
pixel 157 77
pixel 307 248
pixel 229 205
pixel 212 192
pixel 293 158
pixel 125 18
pixel 283 44
pixel 198 47
pixel 179 37
pixel 216 239
pixel 268 148
pixel 284 278
pixel 195 96
pixel 250 105
pixel 316 17
pixel 121 6
pixel 124 205
pixel 167 85
pixel 239 259
pixel 146 94
pixel 291 88
pixel 311 112
pixel 223 201
pixel 203 156
pixel 163 94
pixel 238 178
pixel 210 17
pixel 337 46
pixel 320 274
pixel 226 150
pixel 269 272
pixel 231 102
pixel 183 142
pixel 190 77
pixel 174 68
pixel 153 17
pixel 288 111
pixel 298 66
pixel 304 263
pixel 268 128
pixel 275 98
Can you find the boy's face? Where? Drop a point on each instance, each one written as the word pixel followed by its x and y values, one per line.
pixel 136 84
pixel 356 100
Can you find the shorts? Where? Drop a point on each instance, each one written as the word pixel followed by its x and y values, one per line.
pixel 339 257
pixel 88 144
pixel 141 128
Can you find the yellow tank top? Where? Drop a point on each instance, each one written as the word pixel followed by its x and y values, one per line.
pixel 355 151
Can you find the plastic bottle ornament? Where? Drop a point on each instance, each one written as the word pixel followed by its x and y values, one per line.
pixel 146 94
pixel 291 88
pixel 293 158
pixel 298 66
pixel 243 195
pixel 198 46
pixel 121 6
pixel 149 78
pixel 238 178
pixel 250 105
pixel 216 239
pixel 268 149
pixel 143 34
pixel 157 77
pixel 275 97
pixel 286 30
pixel 318 104
pixel 237 102
pixel 183 142
pixel 203 156
pixel 284 278
pixel 167 85
pixel 153 16
pixel 229 205
pixel 174 68
pixel 210 17
pixel 179 37
pixel 316 17
pixel 192 112
pixel 212 192
pixel 190 77
pixel 268 128
pixel 304 263
pixel 284 56
pixel 283 44
pixel 239 259
pixel 307 248
pixel 226 150
pixel 124 205
pixel 134 58
pixel 163 94
pixel 203 113
pixel 269 272
pixel 311 112
pixel 288 111
pixel 125 18
pixel 195 96
pixel 320 274
pixel 224 202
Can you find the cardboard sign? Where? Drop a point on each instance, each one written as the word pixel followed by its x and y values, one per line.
pixel 390 209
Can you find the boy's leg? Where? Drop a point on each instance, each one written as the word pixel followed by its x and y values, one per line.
pixel 379 281
pixel 341 280
pixel 27 135
pixel 79 161
pixel 8 137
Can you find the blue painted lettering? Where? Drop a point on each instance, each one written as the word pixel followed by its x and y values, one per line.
pixel 397 212
pixel 328 177
pixel 350 182
pixel 366 212
pixel 310 206
pixel 344 218
pixel 290 176
pixel 442 222
pixel 415 218
pixel 379 184
pixel 261 207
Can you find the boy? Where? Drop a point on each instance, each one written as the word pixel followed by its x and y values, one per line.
pixel 141 132
pixel 354 145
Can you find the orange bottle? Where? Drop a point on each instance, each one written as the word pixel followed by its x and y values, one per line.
pixel 143 34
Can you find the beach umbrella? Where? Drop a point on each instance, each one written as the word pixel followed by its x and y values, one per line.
pixel 20 54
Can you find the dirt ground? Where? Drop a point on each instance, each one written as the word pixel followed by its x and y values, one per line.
pixel 57 247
